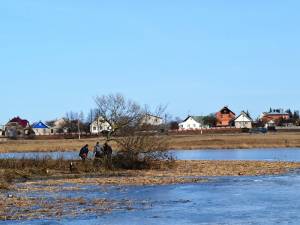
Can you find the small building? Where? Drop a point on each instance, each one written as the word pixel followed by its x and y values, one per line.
pixel 225 117
pixel 243 121
pixel 41 128
pixel 152 120
pixel 17 127
pixel 57 126
pixel 191 123
pixel 99 126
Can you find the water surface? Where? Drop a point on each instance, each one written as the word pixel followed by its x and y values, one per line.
pixel 222 200
pixel 281 154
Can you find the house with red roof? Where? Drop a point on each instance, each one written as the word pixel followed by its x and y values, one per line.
pixel 225 117
pixel 274 115
pixel 17 127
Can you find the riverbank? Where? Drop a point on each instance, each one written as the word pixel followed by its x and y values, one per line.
pixel 196 141
pixel 180 172
pixel 57 172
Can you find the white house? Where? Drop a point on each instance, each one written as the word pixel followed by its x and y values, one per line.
pixel 152 120
pixel 41 128
pixel 243 121
pixel 191 123
pixel 99 125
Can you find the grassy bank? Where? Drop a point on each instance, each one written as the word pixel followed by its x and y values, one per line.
pixel 161 172
pixel 216 141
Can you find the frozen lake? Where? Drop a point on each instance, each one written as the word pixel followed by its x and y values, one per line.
pixel 224 200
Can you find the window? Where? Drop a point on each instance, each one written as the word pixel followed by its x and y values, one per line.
pixel 94 128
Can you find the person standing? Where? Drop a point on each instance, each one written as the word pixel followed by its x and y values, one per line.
pixel 98 150
pixel 107 149
pixel 84 151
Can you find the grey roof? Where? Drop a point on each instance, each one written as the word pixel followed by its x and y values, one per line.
pixel 198 119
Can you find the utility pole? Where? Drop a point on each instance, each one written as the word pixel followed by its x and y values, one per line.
pixel 78 127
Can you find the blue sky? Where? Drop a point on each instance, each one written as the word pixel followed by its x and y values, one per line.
pixel 196 56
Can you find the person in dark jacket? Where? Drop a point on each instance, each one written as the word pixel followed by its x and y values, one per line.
pixel 107 150
pixel 98 150
pixel 84 151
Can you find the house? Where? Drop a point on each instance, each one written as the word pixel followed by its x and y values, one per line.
pixel 152 120
pixel 99 125
pixel 243 121
pixel 17 127
pixel 275 115
pixel 225 117
pixel 191 123
pixel 41 128
pixel 57 126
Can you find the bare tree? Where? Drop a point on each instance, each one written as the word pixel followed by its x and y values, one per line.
pixel 118 112
pixel 125 119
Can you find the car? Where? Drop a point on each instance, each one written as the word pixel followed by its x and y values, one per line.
pixel 258 130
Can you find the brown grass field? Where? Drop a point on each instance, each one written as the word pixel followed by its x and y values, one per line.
pixel 196 141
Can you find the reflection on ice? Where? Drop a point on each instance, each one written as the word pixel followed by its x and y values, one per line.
pixel 222 200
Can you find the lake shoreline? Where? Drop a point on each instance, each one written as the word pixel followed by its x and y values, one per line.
pixel 161 173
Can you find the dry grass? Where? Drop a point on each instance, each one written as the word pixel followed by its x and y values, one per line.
pixel 235 141
pixel 161 172
pixel 25 208
pixel 208 141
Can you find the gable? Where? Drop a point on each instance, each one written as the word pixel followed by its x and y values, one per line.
pixel 40 125
pixel 190 120
pixel 226 110
pixel 243 118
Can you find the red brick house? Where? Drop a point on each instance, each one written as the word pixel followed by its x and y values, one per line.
pixel 274 115
pixel 225 117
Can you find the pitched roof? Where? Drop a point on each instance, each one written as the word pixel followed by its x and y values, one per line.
pixel 39 125
pixel 198 119
pixel 21 122
pixel 243 113
pixel 226 109
pixel 150 115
